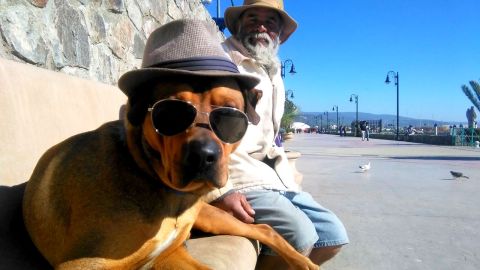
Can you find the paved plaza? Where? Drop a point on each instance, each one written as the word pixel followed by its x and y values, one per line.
pixel 407 212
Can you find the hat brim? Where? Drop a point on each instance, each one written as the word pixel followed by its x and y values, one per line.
pixel 131 80
pixel 232 15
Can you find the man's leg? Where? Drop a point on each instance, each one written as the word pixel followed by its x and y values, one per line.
pixel 292 215
pixel 331 231
pixel 276 210
pixel 321 255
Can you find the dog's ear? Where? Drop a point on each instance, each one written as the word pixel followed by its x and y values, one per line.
pixel 137 108
pixel 252 97
pixel 138 102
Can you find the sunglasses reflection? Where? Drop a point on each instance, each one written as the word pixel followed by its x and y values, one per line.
pixel 228 124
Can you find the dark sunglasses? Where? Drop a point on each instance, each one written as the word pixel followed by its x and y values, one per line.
pixel 173 116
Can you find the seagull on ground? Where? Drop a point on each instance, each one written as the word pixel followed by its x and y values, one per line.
pixel 365 167
pixel 458 175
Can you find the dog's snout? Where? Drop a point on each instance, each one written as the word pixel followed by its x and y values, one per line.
pixel 200 162
pixel 202 153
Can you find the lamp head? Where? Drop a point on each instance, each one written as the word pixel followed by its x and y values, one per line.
pixel 387 80
pixel 292 70
pixel 351 99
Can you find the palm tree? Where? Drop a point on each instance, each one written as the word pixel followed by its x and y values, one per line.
pixel 291 111
pixel 473 94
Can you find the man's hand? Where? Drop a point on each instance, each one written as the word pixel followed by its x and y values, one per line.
pixel 236 204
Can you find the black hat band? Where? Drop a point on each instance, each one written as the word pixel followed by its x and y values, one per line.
pixel 200 63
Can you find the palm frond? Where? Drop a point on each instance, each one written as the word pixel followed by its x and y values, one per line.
pixel 476 88
pixel 471 93
pixel 291 111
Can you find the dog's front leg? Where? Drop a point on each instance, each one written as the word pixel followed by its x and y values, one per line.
pixel 214 220
pixel 177 259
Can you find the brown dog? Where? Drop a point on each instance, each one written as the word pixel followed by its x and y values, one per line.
pixel 126 195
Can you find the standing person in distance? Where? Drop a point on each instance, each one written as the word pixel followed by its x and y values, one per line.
pixel 363 128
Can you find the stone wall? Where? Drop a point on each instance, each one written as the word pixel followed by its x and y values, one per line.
pixel 94 39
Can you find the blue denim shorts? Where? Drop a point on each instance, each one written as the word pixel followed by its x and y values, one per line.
pixel 298 218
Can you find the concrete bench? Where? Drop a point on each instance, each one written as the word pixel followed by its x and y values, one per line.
pixel 292 157
pixel 40 108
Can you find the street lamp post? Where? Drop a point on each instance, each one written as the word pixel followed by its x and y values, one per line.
pixel 328 127
pixel 333 109
pixel 356 111
pixel 387 81
pixel 218 20
pixel 321 123
pixel 316 123
pixel 284 64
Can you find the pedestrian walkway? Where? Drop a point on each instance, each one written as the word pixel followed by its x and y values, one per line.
pixel 406 212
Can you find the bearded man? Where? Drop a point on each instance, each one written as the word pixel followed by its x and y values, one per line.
pixel 261 185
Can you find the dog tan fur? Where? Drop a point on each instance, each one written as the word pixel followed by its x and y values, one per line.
pixel 124 197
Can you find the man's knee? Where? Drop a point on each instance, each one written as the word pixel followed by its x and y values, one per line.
pixel 302 238
pixel 290 222
pixel 298 230
pixel 323 254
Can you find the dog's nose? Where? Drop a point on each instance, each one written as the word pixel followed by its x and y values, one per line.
pixel 202 153
pixel 201 160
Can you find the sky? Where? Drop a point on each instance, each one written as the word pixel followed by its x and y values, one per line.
pixel 345 47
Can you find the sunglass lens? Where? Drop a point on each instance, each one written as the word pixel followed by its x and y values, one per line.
pixel 171 117
pixel 228 124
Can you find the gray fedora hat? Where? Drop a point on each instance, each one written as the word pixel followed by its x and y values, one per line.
pixel 184 48
pixel 232 16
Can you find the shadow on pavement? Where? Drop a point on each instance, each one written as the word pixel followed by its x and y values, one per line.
pixel 440 158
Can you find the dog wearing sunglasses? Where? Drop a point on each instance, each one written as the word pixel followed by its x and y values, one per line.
pixel 126 195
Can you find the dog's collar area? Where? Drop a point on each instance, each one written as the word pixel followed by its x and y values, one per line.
pixel 160 247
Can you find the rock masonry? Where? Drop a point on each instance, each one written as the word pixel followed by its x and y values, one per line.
pixel 93 39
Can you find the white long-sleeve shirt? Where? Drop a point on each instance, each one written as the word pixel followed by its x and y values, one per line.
pixel 247 171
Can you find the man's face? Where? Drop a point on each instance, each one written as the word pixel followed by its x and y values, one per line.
pixel 259 30
pixel 261 25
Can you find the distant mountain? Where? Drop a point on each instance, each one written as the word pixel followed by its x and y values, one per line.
pixel 313 119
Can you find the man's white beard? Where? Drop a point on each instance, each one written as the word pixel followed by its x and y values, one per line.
pixel 267 56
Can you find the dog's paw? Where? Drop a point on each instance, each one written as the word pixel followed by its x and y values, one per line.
pixel 305 264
